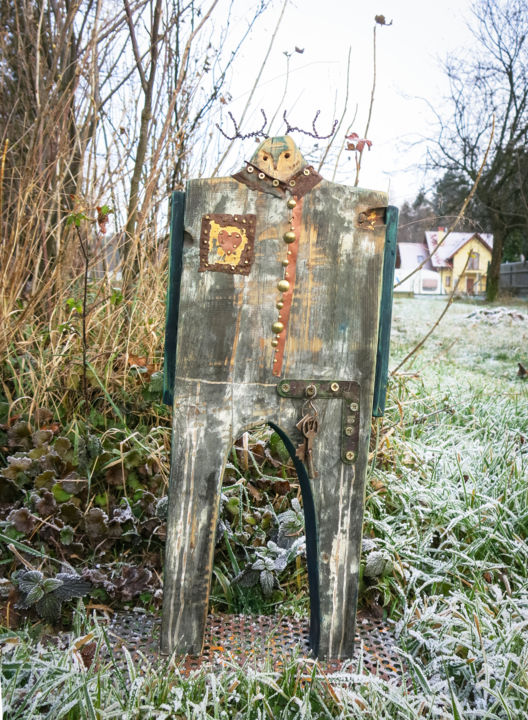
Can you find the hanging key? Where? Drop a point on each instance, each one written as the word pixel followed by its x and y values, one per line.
pixel 309 427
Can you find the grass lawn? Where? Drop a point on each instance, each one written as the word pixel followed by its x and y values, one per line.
pixel 446 509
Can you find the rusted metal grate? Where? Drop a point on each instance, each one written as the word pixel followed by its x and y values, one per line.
pixel 261 641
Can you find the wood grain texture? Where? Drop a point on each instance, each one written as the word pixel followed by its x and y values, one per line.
pixel 224 385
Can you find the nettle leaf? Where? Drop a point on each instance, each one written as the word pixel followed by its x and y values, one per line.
pixel 27 579
pixel 22 520
pixel 70 514
pixel 41 437
pixel 46 479
pixel 73 484
pixel 66 535
pixel 34 595
pixel 60 494
pixel 17 469
pixel 71 586
pixel 46 505
pixel 49 607
pixel 96 523
pixel 267 582
pixel 51 584
pixel 19 435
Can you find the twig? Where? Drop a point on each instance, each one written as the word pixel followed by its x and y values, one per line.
pixel 433 328
pixel 345 108
pixel 462 209
pixel 255 84
pixel 84 313
pixel 365 135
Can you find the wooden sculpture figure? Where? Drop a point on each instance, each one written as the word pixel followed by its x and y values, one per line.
pixel 274 308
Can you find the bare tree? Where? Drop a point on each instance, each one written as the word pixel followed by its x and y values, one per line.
pixel 491 82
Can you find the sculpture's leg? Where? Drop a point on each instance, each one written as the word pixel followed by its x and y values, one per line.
pixel 202 437
pixel 338 493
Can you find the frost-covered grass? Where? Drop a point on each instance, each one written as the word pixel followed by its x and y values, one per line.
pixel 446 503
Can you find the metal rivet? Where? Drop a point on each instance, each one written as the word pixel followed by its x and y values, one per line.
pixel 292 183
pixel 274 342
pixel 289 237
pixel 277 327
pixel 291 203
pixel 285 387
pixel 334 387
pixel 261 176
pixel 350 455
pixel 249 169
pixel 353 406
pixel 349 430
pixel 306 171
pixel 279 305
pixel 275 183
pixel 285 262
pixel 283 285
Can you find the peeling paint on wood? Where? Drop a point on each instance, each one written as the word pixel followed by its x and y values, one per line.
pixel 224 385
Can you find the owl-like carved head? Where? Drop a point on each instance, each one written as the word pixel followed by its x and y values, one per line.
pixel 279 157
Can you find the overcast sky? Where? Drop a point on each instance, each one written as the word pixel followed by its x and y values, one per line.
pixel 409 76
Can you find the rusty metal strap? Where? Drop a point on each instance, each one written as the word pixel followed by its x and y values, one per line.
pixel 346 390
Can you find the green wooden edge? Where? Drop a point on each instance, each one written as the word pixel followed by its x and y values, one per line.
pixel 382 356
pixel 173 294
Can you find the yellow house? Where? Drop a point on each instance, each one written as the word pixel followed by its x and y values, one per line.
pixel 450 253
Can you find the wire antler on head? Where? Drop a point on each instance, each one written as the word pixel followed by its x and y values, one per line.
pixel 314 134
pixel 238 134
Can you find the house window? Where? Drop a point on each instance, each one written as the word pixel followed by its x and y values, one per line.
pixel 473 263
pixel 448 280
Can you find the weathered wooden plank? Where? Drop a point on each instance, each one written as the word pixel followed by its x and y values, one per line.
pixel 224 385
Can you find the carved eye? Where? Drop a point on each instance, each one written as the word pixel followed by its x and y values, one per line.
pixel 265 157
pixel 287 155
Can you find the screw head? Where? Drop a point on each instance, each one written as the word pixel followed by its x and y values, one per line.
pixel 311 390
pixel 350 455
pixel 349 430
pixel 285 387
pixel 334 387
pixel 353 406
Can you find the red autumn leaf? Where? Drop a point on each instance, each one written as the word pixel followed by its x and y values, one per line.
pixel 356 143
